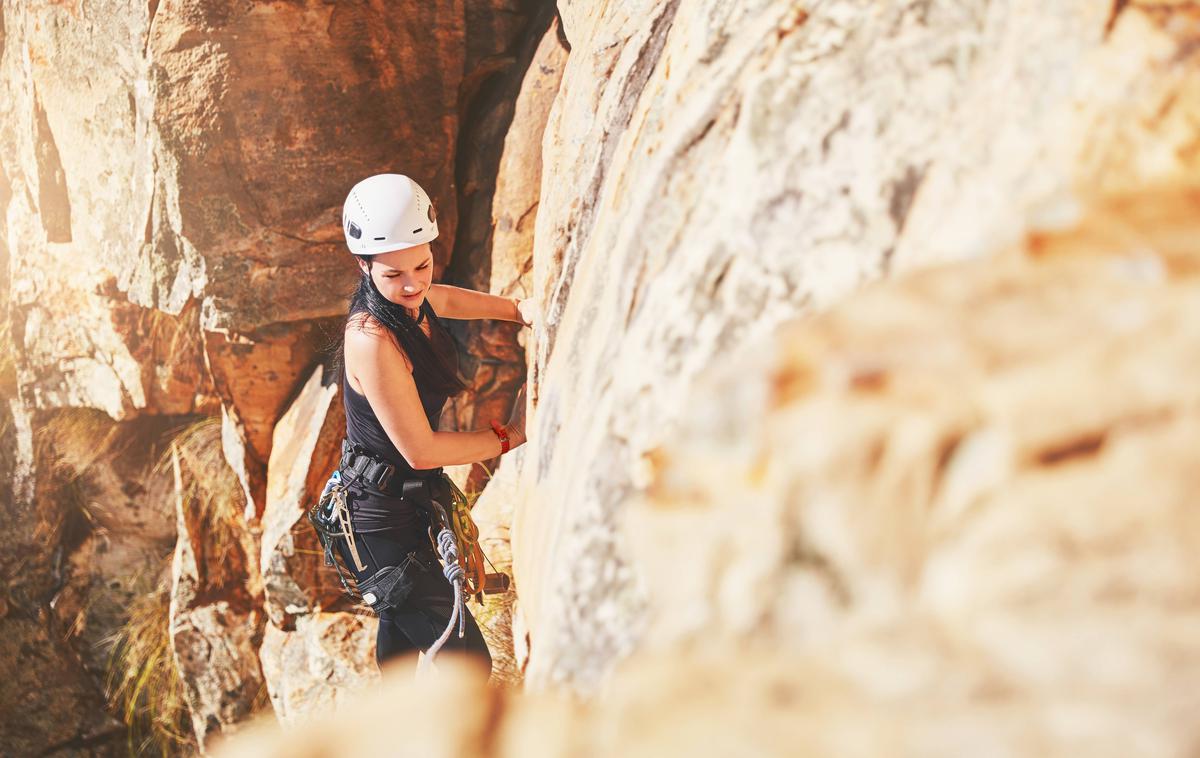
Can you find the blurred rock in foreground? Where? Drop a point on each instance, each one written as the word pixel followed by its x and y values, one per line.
pixel 953 515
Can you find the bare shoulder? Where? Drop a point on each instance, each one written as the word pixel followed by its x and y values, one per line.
pixel 368 340
pixel 362 321
pixel 436 295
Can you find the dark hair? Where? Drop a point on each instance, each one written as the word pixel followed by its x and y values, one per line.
pixel 431 367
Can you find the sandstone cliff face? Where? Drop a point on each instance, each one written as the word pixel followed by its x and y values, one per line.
pixel 713 168
pixel 969 490
pixel 957 504
pixel 315 650
pixel 207 163
pixel 953 511
pixel 171 178
pixel 97 535
pixel 216 619
pixel 502 184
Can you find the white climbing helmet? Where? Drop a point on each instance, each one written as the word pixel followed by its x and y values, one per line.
pixel 387 212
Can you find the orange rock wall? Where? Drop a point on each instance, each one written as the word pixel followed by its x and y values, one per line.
pixel 171 181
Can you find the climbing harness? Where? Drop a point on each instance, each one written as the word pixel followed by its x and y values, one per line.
pixel 330 517
pixel 456 540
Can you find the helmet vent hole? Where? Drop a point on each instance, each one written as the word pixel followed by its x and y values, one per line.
pixel 380 239
pixel 419 228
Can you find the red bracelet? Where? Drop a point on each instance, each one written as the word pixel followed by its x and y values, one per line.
pixel 502 433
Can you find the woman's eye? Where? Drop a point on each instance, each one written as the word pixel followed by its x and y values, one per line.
pixel 393 276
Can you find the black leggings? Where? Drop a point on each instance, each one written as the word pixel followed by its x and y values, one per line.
pixel 420 620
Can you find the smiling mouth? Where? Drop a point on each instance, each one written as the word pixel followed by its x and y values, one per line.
pixel 410 296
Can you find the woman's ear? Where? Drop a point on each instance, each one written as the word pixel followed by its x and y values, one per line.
pixel 366 267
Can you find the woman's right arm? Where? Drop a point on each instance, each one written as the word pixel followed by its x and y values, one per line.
pixel 382 369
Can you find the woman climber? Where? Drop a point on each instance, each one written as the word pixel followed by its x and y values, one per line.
pixel 400 366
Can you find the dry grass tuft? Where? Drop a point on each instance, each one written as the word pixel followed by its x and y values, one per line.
pixel 76 438
pixel 67 445
pixel 175 337
pixel 144 687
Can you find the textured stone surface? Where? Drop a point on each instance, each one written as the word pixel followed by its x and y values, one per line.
pixel 314 668
pixel 519 174
pixel 307 448
pixel 954 511
pixel 171 178
pixel 178 156
pixel 256 101
pixel 494 249
pixel 108 354
pixel 96 535
pixel 257 375
pixel 762 704
pixel 77 150
pixel 1114 107
pixel 216 621
pixel 450 714
pixel 712 169
pixel 971 489
pixel 493 515
pixel 36 717
pixel 118 527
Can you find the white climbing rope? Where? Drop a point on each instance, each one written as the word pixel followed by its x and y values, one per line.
pixel 454 574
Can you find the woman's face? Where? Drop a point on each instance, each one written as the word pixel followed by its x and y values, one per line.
pixel 403 276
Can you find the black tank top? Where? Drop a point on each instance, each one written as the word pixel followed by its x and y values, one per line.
pixel 371 511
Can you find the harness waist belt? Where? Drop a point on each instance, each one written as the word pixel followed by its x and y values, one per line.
pixel 370 469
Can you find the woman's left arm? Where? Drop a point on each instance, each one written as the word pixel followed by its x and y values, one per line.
pixel 459 303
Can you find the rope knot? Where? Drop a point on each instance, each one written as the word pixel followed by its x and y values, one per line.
pixel 447 545
pixel 454 573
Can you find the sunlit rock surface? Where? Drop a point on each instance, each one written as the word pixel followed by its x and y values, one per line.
pixel 311 659
pixel 954 511
pixel 712 169
pixel 216 620
pixel 94 537
pixel 313 668
pixel 257 375
pixel 706 173
pixel 450 714
pixel 971 488
pixel 171 180
pixel 307 449
pixel 493 515
pixel 494 248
